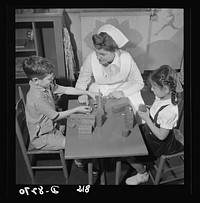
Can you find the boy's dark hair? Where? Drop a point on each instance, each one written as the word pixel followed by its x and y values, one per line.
pixel 166 76
pixel 37 66
pixel 104 41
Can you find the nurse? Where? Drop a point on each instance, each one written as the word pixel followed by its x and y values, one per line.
pixel 110 69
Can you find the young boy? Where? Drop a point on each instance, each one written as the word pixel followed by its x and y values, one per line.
pixel 41 115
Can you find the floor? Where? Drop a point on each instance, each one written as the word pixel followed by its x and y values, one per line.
pixel 76 177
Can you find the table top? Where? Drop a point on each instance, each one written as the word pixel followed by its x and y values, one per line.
pixel 105 141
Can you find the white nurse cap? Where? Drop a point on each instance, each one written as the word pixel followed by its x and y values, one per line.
pixel 115 33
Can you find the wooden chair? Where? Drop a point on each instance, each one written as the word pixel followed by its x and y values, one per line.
pixel 165 172
pixel 21 95
pixel 28 150
pixel 166 169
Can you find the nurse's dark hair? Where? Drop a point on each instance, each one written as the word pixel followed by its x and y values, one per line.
pixel 37 66
pixel 166 76
pixel 104 41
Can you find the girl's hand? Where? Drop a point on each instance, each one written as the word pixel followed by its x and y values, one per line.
pixel 116 94
pixel 144 115
pixel 83 99
pixel 83 109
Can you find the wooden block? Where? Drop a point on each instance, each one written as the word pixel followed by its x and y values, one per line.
pixel 85 126
pixel 129 118
pixel 99 120
pixel 85 129
pixel 81 116
pixel 119 107
pixel 84 136
pixel 87 121
pixel 82 121
pixel 112 102
pixel 71 124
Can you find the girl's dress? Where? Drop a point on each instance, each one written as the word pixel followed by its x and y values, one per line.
pixel 169 145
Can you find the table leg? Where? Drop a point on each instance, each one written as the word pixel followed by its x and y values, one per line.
pixel 90 173
pixel 103 173
pixel 118 172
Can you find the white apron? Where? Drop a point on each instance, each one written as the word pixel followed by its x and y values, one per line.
pixel 116 82
pixel 111 83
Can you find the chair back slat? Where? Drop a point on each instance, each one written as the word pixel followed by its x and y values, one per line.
pixel 21 127
pixel 21 95
pixel 181 114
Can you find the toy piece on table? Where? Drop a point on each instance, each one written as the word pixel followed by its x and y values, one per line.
pixel 95 102
pixel 86 119
pixel 103 101
pixel 113 103
pixel 142 107
pixel 99 100
pixel 84 122
pixel 119 107
pixel 88 122
pixel 100 110
pixel 76 121
pixel 99 118
pixel 85 129
pixel 129 117
pixel 82 116
pixel 71 124
pixel 125 132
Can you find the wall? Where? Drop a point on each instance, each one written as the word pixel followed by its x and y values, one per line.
pixel 151 42
pixel 131 23
pixel 49 45
pixel 165 44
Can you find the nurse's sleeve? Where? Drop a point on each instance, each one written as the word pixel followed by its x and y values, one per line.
pixel 134 81
pixel 85 75
pixel 58 89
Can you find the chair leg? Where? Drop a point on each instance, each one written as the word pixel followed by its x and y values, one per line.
pixel 160 169
pixel 64 165
pixel 30 170
pixel 90 173
pixel 118 172
pixel 26 158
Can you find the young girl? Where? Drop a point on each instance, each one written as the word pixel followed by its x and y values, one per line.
pixel 160 121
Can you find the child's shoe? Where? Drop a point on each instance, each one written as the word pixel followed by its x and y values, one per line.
pixel 137 179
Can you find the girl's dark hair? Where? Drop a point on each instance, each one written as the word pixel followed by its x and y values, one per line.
pixel 104 41
pixel 37 66
pixel 166 76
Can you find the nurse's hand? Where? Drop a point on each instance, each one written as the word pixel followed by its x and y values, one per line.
pixel 93 95
pixel 83 99
pixel 116 94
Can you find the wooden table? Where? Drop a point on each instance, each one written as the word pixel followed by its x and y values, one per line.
pixel 105 141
